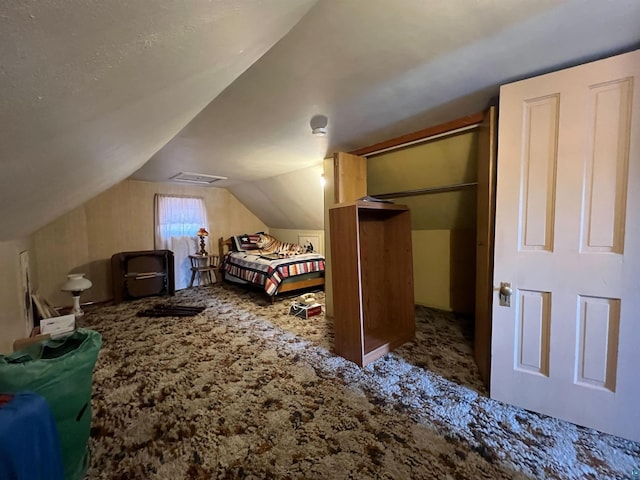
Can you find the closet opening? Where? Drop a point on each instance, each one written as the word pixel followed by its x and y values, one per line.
pixel 446 180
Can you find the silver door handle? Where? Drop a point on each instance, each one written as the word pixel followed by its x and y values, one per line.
pixel 505 289
pixel 505 294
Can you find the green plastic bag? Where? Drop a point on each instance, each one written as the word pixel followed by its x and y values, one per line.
pixel 62 372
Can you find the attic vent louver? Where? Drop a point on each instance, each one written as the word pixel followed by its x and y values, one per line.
pixel 199 178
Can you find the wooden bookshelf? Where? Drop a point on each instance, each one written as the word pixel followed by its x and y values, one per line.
pixel 372 279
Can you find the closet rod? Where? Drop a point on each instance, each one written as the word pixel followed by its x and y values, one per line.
pixel 424 135
pixel 423 140
pixel 424 191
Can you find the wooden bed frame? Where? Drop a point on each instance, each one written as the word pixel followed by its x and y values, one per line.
pixel 289 285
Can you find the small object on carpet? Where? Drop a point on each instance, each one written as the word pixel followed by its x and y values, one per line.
pixel 160 310
pixel 304 310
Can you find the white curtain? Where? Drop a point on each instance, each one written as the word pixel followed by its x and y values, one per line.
pixel 182 247
pixel 177 221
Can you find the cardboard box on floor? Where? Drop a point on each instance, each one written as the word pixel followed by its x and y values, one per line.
pixel 35 337
pixel 53 327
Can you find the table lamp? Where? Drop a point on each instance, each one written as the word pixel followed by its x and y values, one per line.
pixel 202 233
pixel 76 284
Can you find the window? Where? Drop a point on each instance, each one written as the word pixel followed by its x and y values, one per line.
pixel 177 221
pixel 178 217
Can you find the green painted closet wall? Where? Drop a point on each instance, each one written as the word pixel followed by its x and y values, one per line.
pixel 443 224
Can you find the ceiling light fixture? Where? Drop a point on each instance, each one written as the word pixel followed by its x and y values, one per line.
pixel 318 125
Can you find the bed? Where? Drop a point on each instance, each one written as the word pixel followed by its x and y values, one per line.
pixel 245 263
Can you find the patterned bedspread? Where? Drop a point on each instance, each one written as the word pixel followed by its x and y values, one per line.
pixel 271 273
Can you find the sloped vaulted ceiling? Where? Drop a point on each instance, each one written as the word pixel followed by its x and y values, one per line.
pixel 377 69
pixel 92 89
pixel 93 92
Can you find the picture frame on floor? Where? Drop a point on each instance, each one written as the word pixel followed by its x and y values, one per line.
pixel 25 284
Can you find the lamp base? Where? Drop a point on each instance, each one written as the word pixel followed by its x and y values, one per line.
pixel 76 310
pixel 202 250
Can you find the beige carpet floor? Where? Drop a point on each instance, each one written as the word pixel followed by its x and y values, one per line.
pixel 244 390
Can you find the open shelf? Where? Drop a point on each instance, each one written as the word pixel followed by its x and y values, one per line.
pixel 372 275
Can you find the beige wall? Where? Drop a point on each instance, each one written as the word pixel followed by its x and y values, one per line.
pixel 431 251
pixel 121 219
pixel 442 276
pixel 13 323
pixel 294 236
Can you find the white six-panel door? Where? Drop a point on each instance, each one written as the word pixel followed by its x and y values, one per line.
pixel 568 242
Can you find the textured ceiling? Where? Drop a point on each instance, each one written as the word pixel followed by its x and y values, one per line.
pixel 92 90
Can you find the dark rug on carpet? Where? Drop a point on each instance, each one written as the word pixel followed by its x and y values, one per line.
pixel 244 390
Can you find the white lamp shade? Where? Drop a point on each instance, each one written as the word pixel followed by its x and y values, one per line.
pixel 76 283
